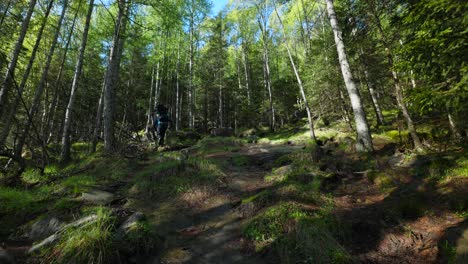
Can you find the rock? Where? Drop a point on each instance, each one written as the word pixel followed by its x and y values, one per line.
pixel 248 133
pixel 131 222
pixel 97 197
pixel 396 160
pixel 5 258
pixel 222 132
pixel 44 228
pixel 284 170
pixel 247 210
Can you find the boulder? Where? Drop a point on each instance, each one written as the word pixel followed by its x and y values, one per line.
pixel 97 197
pixel 222 132
pixel 44 228
pixel 131 222
pixel 397 160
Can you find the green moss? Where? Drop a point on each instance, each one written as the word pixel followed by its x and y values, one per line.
pixel 32 176
pixel 381 179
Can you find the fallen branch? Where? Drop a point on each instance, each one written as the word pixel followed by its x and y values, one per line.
pixel 51 239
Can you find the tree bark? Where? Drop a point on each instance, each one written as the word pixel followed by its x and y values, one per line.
pixel 177 115
pixel 364 140
pixel 65 152
pixel 266 68
pixel 299 81
pixel 191 99
pixel 111 77
pixel 40 89
pixel 375 100
pixel 98 122
pixel 54 104
pixel 10 72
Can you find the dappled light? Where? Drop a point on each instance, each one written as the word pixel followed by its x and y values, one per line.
pixel 233 132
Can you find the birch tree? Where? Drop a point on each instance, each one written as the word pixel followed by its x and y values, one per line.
pixel 364 140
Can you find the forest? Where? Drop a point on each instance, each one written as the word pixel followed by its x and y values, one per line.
pixel 299 131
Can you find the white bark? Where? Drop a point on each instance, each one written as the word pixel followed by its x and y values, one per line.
pixel 364 140
pixel 299 81
pixel 65 153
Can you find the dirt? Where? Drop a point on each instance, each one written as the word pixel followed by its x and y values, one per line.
pixel 205 226
pixel 211 231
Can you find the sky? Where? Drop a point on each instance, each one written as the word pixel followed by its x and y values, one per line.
pixel 218 5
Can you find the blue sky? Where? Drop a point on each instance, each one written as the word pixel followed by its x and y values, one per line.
pixel 218 5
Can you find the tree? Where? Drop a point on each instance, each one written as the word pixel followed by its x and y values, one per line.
pixel 364 140
pixel 65 152
pixel 10 73
pixel 112 73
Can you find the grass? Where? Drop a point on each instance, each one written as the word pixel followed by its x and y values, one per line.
pixel 175 175
pixel 298 236
pixel 88 244
pixel 79 183
pixel 16 201
pixel 209 145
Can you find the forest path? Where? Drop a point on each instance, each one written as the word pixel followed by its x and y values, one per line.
pixel 211 232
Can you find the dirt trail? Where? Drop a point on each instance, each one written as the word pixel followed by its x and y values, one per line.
pixel 212 233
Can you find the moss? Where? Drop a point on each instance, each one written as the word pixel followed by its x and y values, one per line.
pixel 381 179
pixel 32 176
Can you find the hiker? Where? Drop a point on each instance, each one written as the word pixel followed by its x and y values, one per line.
pixel 161 123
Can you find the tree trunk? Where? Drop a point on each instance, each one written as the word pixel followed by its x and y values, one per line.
pixel 455 132
pixel 9 116
pixel 40 89
pixel 54 104
pixel 246 73
pixel 191 99
pixel 10 72
pixel 364 140
pixel 111 77
pixel 299 81
pixel 65 152
pixel 398 90
pixel 149 119
pixel 266 69
pixel 177 115
pixel 375 101
pixel 98 121
pixel 5 12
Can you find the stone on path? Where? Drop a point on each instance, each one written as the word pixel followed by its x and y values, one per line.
pixel 97 197
pixel 131 222
pixel 44 228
